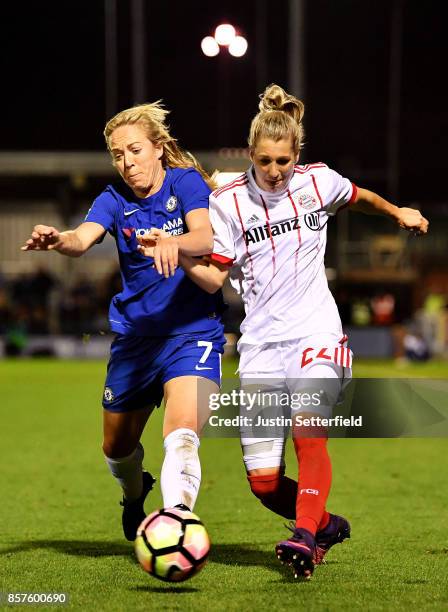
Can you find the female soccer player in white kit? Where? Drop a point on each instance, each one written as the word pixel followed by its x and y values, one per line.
pixel 270 235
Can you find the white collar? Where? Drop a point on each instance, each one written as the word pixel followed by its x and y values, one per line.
pixel 269 196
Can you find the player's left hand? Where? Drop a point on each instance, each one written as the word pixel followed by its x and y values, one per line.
pixel 412 220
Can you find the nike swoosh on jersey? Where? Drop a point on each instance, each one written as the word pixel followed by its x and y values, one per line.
pixel 130 212
pixel 203 368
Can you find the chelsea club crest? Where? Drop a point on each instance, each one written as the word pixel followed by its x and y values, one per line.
pixel 108 394
pixel 171 203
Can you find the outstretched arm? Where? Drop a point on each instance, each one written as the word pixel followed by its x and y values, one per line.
pixel 71 242
pixel 371 203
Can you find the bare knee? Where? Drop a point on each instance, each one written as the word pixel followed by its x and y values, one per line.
pixel 122 431
pixel 115 447
pixel 264 482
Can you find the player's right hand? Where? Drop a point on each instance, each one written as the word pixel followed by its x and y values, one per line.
pixel 43 238
pixel 146 243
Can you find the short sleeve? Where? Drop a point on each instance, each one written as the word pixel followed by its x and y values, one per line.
pixel 192 191
pixel 334 190
pixel 224 245
pixel 103 211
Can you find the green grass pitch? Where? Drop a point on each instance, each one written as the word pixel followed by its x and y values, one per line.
pixel 60 519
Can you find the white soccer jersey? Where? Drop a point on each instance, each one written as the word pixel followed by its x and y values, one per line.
pixel 275 243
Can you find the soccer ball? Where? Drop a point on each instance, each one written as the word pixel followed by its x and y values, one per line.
pixel 172 544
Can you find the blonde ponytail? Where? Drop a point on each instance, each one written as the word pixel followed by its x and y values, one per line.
pixel 280 117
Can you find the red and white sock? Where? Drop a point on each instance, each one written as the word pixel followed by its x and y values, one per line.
pixel 314 483
pixel 278 493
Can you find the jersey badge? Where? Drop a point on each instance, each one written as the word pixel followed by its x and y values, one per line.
pixel 171 203
pixel 108 394
pixel 307 201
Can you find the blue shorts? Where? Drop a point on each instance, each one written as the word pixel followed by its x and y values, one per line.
pixel 140 365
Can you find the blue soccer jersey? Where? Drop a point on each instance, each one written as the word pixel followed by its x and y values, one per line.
pixel 150 304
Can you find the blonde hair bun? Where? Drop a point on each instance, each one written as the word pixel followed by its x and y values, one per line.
pixel 275 98
pixel 280 117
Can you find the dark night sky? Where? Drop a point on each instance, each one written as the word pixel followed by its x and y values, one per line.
pixel 53 94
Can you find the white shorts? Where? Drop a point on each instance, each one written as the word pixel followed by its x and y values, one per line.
pixel 316 367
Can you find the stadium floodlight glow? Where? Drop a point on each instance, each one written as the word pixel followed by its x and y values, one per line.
pixel 224 34
pixel 238 46
pixel 209 46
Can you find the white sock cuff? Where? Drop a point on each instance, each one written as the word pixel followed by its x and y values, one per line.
pixel 137 454
pixel 178 436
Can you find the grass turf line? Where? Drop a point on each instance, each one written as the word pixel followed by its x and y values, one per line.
pixel 60 519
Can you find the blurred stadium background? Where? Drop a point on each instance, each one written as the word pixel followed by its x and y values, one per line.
pixel 375 113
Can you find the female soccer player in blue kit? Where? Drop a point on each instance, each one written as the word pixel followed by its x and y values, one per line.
pixel 169 336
